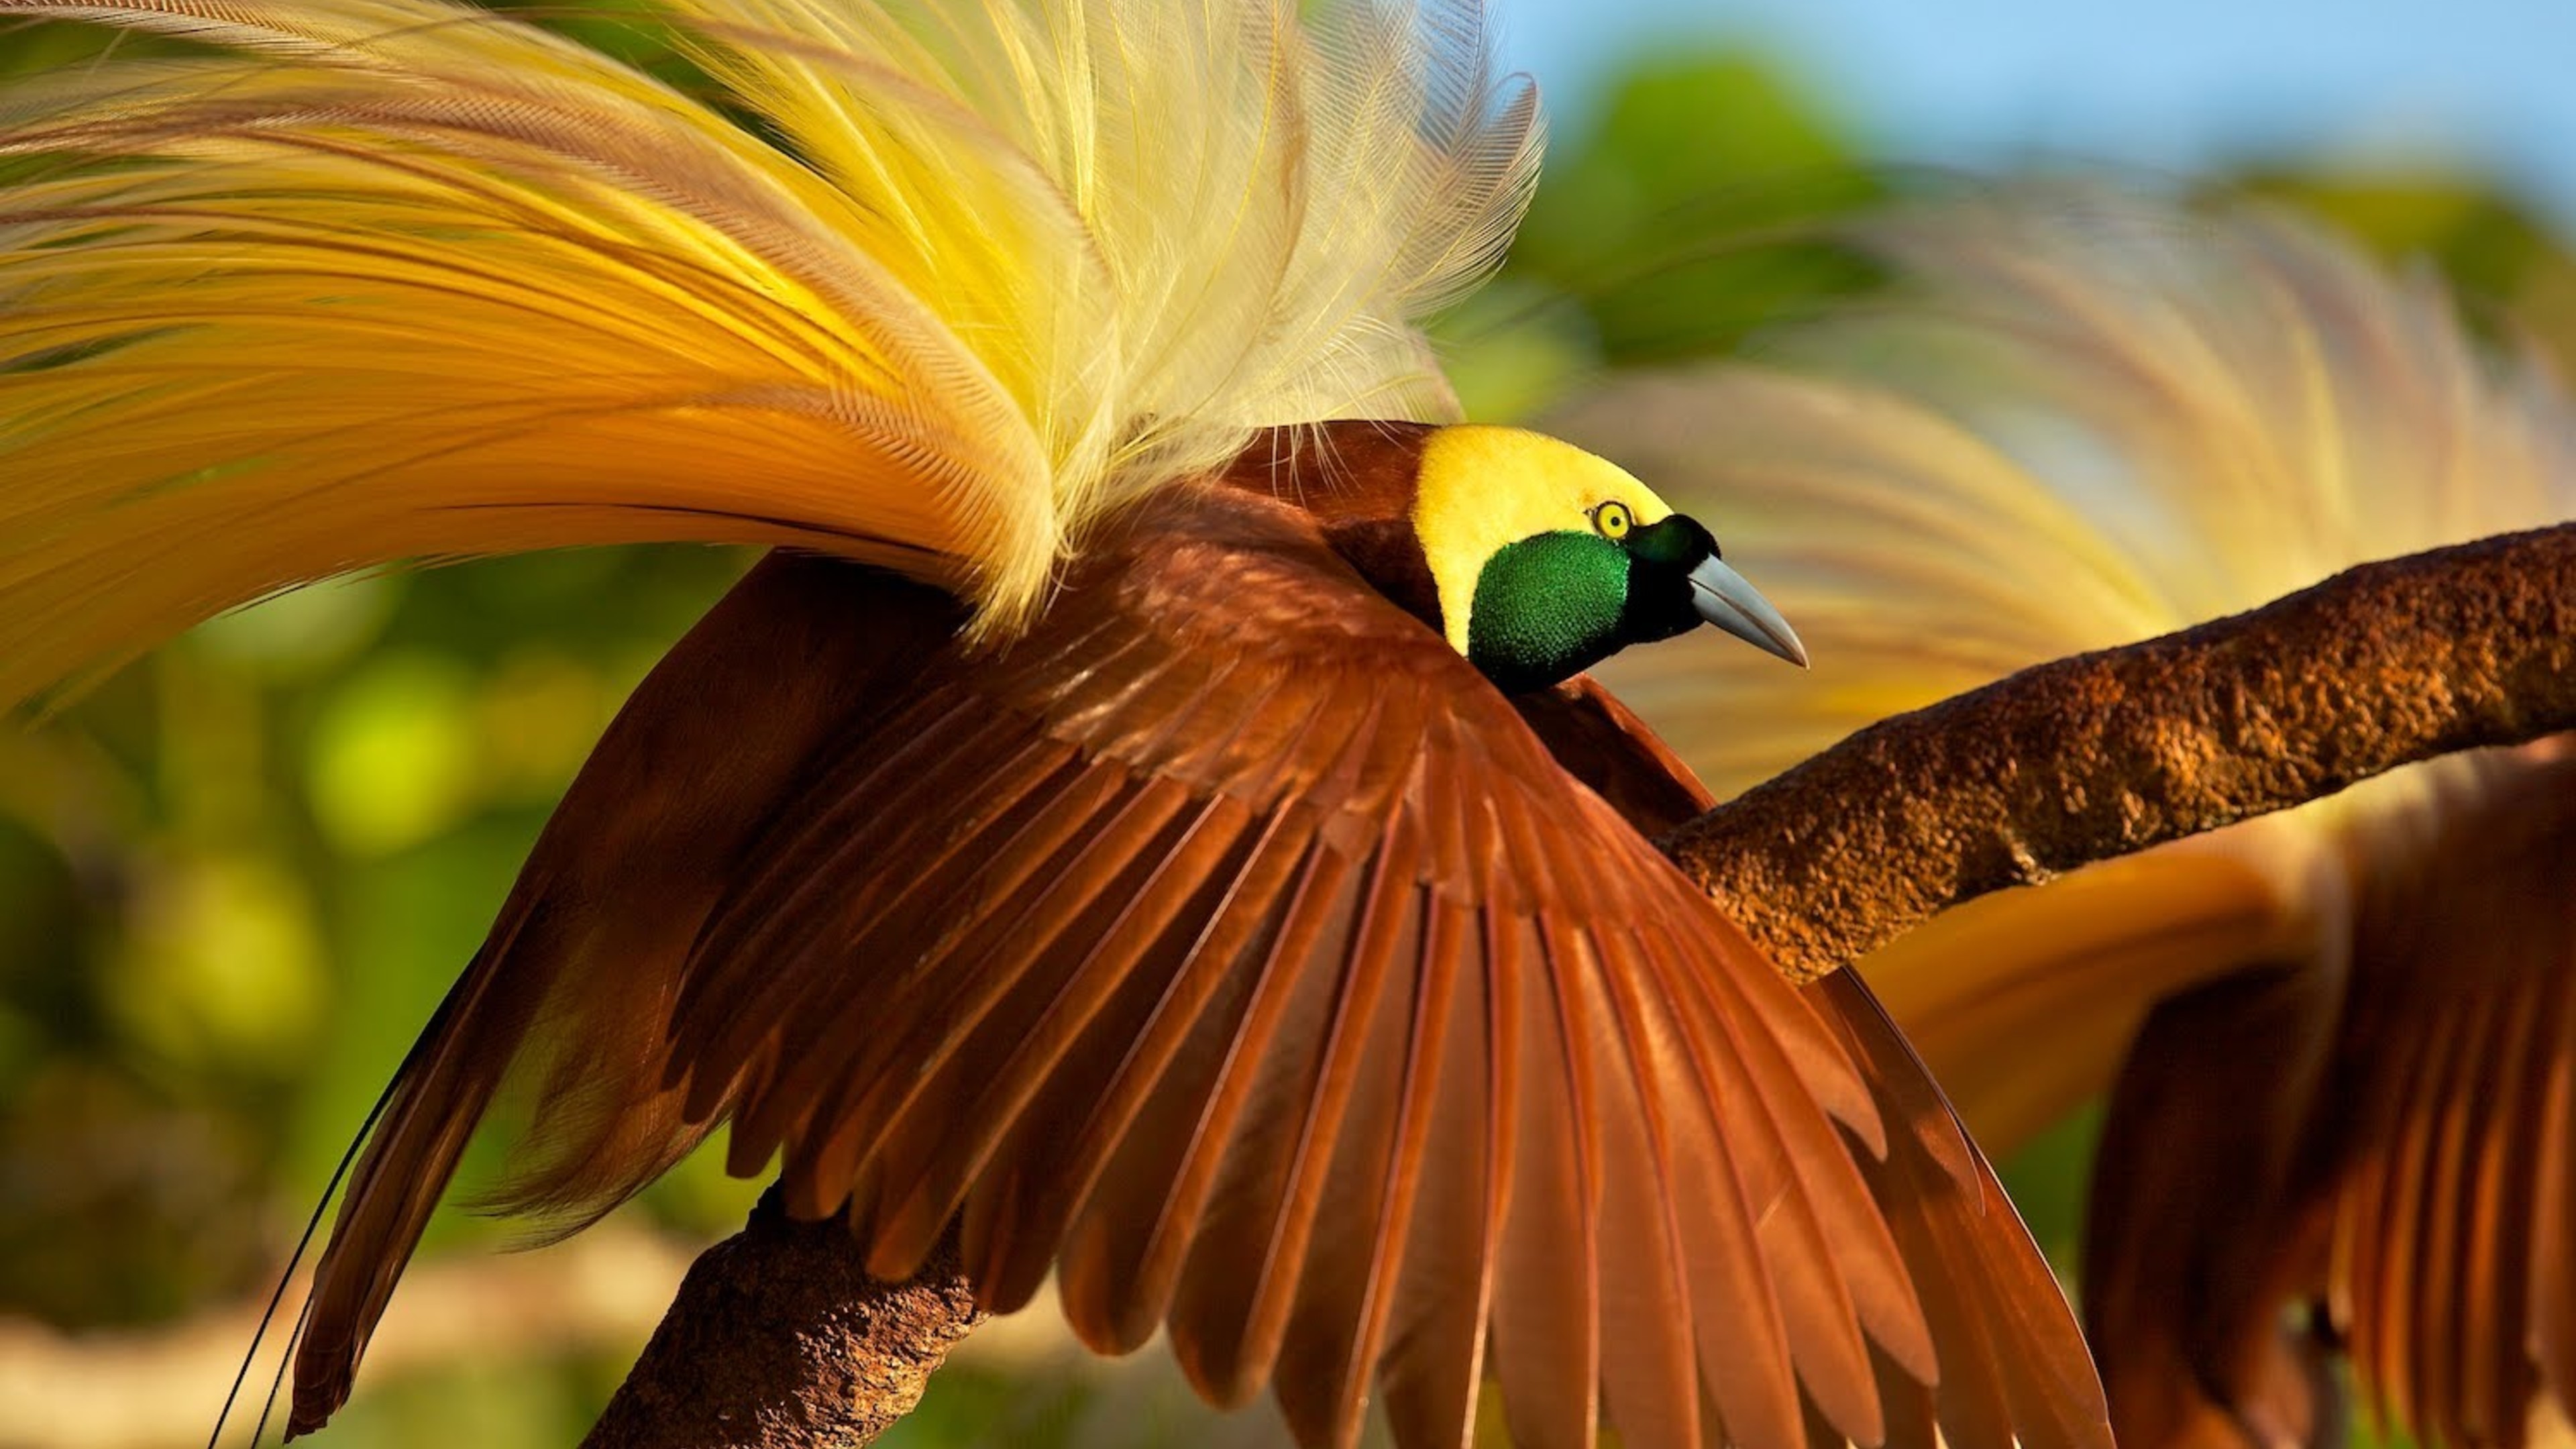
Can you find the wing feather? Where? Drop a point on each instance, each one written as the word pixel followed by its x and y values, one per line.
pixel 2012 1362
pixel 667 804
pixel 1355 1256
pixel 1785 1186
pixel 1651 1386
pixel 1322 915
pixel 1436 1340
pixel 2551 1098
pixel 1966 1331
pixel 1064 1165
pixel 1755 1403
pixel 1547 1308
pixel 998 1070
pixel 2495 1345
pixel 1278 1195
pixel 1207 1007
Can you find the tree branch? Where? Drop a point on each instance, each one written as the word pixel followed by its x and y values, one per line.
pixel 2106 754
pixel 778 1339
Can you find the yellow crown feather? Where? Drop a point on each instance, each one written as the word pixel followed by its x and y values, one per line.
pixel 388 280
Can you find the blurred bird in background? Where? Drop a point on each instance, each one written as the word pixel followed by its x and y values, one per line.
pixel 1136 822
pixel 2337 1043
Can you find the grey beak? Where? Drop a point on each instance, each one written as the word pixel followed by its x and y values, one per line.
pixel 1723 598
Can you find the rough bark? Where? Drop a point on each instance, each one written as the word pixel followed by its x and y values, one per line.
pixel 2106 754
pixel 779 1339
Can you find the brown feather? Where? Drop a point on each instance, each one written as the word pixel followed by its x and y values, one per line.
pixel 2394 1144
pixel 1356 479
pixel 1062 1167
pixel 1230 942
pixel 2010 1362
pixel 1547 1319
pixel 1651 1387
pixel 594 934
pixel 2011 1358
pixel 1436 1351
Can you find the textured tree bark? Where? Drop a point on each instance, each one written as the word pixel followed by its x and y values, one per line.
pixel 778 1339
pixel 2106 754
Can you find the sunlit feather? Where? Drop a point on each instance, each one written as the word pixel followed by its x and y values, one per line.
pixel 390 280
pixel 2095 421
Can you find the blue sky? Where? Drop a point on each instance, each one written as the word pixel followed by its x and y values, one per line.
pixel 2167 86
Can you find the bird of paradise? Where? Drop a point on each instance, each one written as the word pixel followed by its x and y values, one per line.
pixel 2336 1041
pixel 1147 817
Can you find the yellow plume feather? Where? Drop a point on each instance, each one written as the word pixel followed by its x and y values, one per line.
pixel 2098 420
pixel 387 280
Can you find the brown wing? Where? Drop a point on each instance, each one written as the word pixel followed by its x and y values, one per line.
pixel 2390 1119
pixel 2012 1364
pixel 1226 942
pixel 1230 939
pixel 595 931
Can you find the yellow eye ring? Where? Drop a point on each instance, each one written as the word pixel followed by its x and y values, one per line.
pixel 1612 519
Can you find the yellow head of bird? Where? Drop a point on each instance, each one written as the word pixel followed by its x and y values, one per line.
pixel 1546 560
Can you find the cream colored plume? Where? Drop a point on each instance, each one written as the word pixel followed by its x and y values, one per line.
pixel 386 280
pixel 2088 420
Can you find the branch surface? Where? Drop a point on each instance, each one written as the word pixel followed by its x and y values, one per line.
pixel 2109 753
pixel 778 1339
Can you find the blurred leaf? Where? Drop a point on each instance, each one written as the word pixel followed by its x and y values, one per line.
pixel 699 1196
pixel 2512 272
pixel 43 920
pixel 118 1206
pixel 1697 210
pixel 1515 348
pixel 537 718
pixel 296 635
pixel 408 924
pixel 221 966
pixel 394 755
pixel 2048 1181
pixel 485 1403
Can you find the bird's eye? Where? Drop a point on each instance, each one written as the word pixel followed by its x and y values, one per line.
pixel 1612 519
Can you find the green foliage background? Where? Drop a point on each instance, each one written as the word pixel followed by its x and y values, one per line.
pixel 235 880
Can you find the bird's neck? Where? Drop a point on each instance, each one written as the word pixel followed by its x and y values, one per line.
pixel 1355 478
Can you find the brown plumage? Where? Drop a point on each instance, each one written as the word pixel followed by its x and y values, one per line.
pixel 2396 1145
pixel 1229 942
